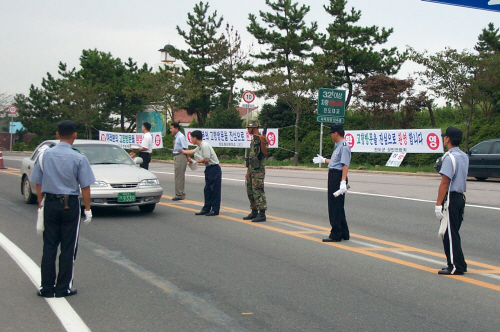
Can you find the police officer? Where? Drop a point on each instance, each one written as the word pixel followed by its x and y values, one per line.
pixel 256 173
pixel 146 146
pixel 338 166
pixel 451 195
pixel 205 154
pixel 58 180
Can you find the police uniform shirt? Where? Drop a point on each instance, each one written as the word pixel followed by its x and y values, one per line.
pixel 147 142
pixel 205 150
pixel 65 171
pixel 180 142
pixel 459 180
pixel 341 156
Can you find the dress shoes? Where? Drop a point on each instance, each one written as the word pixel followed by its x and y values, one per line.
pixel 212 213
pixel 446 268
pixel 45 293
pixel 202 213
pixel 448 272
pixel 68 292
pixel 331 240
pixel 177 198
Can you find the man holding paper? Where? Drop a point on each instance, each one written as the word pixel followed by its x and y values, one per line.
pixel 205 154
pixel 338 166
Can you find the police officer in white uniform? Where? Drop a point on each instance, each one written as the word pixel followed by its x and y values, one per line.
pixel 452 187
pixel 338 166
pixel 58 180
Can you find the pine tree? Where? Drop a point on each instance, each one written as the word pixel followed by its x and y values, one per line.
pixel 198 78
pixel 349 53
pixel 489 40
pixel 283 70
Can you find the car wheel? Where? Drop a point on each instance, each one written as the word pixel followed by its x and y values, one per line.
pixel 480 178
pixel 148 208
pixel 29 198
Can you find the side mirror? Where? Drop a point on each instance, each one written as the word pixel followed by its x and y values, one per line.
pixel 468 152
pixel 138 160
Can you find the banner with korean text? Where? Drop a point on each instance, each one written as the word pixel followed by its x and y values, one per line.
pixel 397 140
pixel 231 138
pixel 125 139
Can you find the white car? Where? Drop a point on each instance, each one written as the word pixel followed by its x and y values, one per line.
pixel 119 179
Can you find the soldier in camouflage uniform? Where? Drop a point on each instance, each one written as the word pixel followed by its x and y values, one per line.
pixel 256 173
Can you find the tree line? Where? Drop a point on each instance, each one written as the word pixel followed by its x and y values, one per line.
pixel 293 60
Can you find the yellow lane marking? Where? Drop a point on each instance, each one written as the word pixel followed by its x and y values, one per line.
pixel 363 251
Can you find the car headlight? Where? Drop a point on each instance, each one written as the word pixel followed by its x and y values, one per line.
pixel 98 184
pixel 150 182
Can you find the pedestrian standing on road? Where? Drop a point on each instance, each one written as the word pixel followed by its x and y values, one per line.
pixel 146 146
pixel 205 154
pixel 450 203
pixel 59 177
pixel 338 166
pixel 256 173
pixel 180 161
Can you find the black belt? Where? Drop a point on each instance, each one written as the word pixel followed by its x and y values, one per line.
pixel 63 198
pixel 334 170
pixel 212 165
pixel 56 196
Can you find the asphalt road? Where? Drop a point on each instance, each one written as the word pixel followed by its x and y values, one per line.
pixel 173 271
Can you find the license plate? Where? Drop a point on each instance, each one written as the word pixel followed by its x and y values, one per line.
pixel 126 197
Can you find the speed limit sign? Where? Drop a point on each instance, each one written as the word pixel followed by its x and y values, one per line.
pixel 12 109
pixel 248 97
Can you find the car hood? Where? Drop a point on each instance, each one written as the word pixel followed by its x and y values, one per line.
pixel 121 173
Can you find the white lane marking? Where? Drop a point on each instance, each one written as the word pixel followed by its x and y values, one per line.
pixel 350 192
pixel 70 320
pixel 291 225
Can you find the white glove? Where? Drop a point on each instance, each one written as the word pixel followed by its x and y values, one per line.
pixel 88 216
pixel 439 212
pixel 39 222
pixel 319 160
pixel 343 186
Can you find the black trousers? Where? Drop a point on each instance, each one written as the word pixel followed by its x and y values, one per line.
pixel 146 159
pixel 212 190
pixel 61 228
pixel 451 240
pixel 336 211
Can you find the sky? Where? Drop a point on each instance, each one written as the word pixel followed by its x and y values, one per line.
pixel 36 35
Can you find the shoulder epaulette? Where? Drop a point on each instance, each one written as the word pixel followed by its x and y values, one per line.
pixel 345 144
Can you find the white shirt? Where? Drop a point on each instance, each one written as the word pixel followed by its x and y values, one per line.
pixel 147 142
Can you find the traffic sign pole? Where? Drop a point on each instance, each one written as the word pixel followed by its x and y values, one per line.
pixel 248 97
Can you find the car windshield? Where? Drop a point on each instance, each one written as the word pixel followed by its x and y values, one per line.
pixel 105 154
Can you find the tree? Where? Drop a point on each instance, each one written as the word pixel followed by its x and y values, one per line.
pixel 488 40
pixel 199 81
pixel 284 71
pixel 452 75
pixel 5 101
pixel 349 54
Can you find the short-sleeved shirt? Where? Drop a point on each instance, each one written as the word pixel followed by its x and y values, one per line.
pixel 65 171
pixel 459 180
pixel 147 142
pixel 205 150
pixel 180 142
pixel 341 156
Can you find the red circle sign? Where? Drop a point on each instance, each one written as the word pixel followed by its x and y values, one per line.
pixel 349 139
pixel 12 109
pixel 248 97
pixel 433 141
pixel 157 140
pixel 271 138
pixel 189 137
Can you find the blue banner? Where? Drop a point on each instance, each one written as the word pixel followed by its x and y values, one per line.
pixel 493 5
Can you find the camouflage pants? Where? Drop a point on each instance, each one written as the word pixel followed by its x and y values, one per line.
pixel 255 190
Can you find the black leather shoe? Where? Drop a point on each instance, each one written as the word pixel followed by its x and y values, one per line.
pixel 345 238
pixel 446 268
pixel 45 293
pixel 69 292
pixel 211 213
pixel 252 215
pixel 176 198
pixel 448 272
pixel 331 240
pixel 201 213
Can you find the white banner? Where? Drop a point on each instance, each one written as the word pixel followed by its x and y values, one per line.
pixel 231 138
pixel 397 140
pixel 125 139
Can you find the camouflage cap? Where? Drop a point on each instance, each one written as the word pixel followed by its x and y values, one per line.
pixel 253 124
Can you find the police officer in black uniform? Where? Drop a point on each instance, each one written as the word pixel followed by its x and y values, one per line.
pixel 59 175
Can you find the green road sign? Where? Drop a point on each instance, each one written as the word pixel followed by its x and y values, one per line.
pixel 331 102
pixel 330 119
